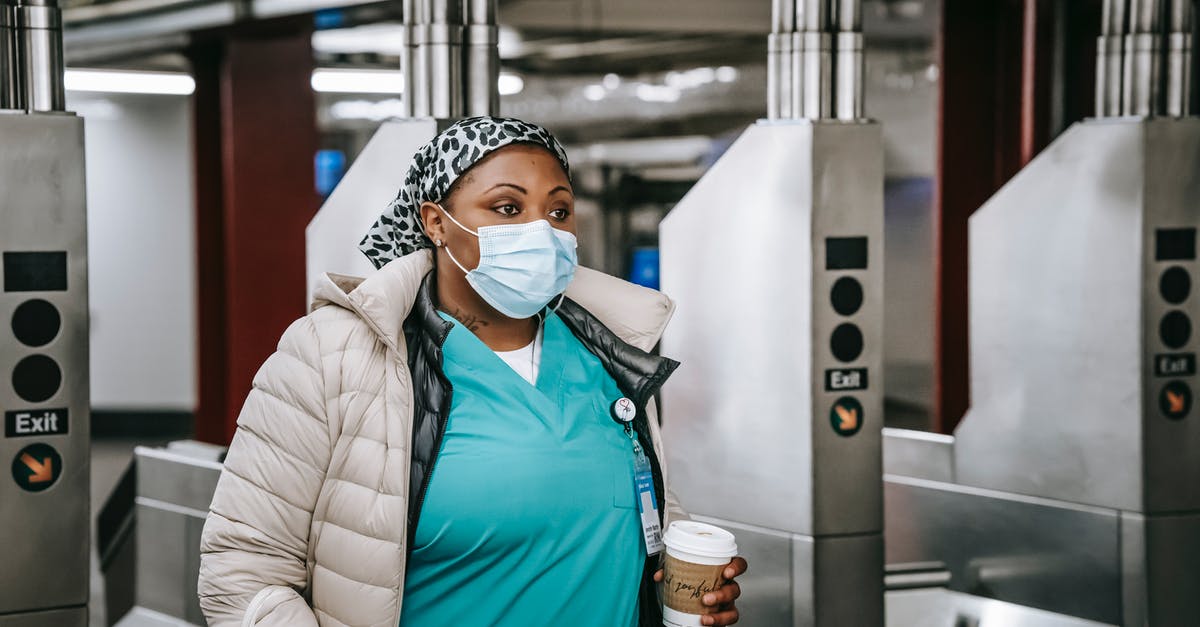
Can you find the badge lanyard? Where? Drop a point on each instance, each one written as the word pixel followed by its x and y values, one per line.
pixel 623 411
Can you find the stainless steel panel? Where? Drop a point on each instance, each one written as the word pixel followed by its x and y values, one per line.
pixel 1046 554
pixel 758 385
pixel 838 581
pixel 1161 554
pixel 142 617
pixel 46 533
pixel 360 198
pixel 168 558
pixel 946 608
pixel 767 594
pixel 1056 324
pixel 918 454
pixel 176 479
pixel 1170 467
pixel 69 617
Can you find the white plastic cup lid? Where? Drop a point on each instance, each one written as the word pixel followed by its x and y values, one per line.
pixel 700 538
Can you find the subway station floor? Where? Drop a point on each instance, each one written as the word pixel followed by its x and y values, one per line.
pixel 110 456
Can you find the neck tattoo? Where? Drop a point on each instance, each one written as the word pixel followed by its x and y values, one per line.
pixel 471 321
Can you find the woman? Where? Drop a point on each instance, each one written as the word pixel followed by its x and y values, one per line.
pixel 437 444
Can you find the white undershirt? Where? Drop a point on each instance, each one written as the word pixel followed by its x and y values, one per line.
pixel 525 361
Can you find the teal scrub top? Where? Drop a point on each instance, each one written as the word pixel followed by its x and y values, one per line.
pixel 530 515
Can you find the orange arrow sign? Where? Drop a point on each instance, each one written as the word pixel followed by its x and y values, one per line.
pixel 41 472
pixel 849 417
pixel 1175 401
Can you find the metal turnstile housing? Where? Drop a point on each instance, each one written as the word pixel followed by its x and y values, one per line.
pixel 43 257
pixel 753 256
pixel 1071 484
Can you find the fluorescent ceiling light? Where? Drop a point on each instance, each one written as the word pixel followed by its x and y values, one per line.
pixel 378 38
pixel 130 82
pixel 358 81
pixel 366 110
pixel 510 84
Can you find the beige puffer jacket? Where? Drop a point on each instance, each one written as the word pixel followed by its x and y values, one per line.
pixel 307 526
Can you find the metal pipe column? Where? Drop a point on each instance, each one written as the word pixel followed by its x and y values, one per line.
pixel 816 57
pixel 10 77
pixel 848 61
pixel 481 58
pixel 444 46
pixel 779 59
pixel 1179 58
pixel 419 31
pixel 407 52
pixel 1141 88
pixel 1109 58
pixel 40 54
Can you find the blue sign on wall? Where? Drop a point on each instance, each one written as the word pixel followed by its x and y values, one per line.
pixel 643 267
pixel 330 165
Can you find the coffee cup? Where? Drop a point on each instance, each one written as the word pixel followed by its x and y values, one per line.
pixel 696 557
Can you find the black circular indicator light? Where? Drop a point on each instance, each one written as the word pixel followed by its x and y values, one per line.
pixel 846 342
pixel 36 322
pixel 36 467
pixel 846 416
pixel 1175 400
pixel 1175 329
pixel 36 378
pixel 1174 285
pixel 847 295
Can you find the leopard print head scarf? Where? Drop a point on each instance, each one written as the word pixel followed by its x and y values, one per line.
pixel 435 168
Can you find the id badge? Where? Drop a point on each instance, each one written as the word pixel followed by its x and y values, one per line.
pixel 643 479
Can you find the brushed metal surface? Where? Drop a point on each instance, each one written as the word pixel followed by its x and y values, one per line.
pixel 918 454
pixel 168 560
pixel 946 608
pixel 756 387
pixel 68 617
pixel 1170 465
pixel 175 479
pixel 481 57
pixel 372 182
pixel 1160 555
pixel 42 208
pixel 767 594
pixel 40 52
pixel 838 580
pixel 1061 317
pixel 1046 554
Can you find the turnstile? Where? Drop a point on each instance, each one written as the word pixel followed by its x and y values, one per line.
pixel 1070 484
pixel 44 491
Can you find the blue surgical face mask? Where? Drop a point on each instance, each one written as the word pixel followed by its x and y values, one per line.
pixel 522 267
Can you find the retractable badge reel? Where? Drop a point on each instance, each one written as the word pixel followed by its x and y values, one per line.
pixel 623 412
